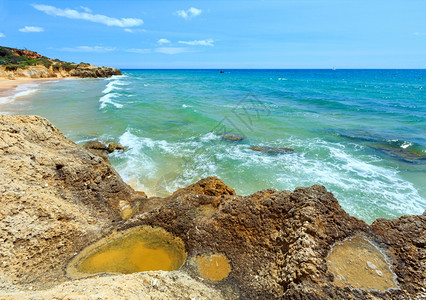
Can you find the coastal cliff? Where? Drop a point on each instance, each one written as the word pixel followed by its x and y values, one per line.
pixel 57 198
pixel 17 63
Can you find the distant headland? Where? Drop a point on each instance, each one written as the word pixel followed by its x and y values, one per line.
pixel 22 63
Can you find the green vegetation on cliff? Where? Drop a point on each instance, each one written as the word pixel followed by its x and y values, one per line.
pixel 25 63
pixel 13 59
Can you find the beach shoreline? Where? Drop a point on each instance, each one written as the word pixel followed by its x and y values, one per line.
pixel 8 86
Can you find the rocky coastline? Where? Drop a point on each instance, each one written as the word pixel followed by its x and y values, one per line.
pixel 21 63
pixel 80 71
pixel 58 197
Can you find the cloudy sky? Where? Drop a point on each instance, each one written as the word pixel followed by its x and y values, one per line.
pixel 221 34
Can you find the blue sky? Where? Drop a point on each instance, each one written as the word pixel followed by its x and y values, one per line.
pixel 221 34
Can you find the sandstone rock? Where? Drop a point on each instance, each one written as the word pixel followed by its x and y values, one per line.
pixel 96 145
pixel 89 71
pixel 98 149
pixel 210 186
pixel 277 241
pixel 102 150
pixel 56 198
pixel 148 285
pixel 43 72
pixel 115 146
pixel 26 53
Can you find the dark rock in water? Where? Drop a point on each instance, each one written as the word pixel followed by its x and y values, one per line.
pixel 101 149
pixel 221 72
pixel 358 135
pixel 115 146
pixel 97 148
pixel 271 149
pixel 405 151
pixel 231 137
pixel 402 154
pixel 96 145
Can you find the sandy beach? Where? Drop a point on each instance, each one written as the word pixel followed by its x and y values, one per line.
pixel 7 85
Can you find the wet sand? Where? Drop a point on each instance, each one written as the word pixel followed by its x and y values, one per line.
pixel 7 86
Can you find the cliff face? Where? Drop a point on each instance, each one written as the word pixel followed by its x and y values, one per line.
pixel 24 63
pixel 82 71
pixel 57 198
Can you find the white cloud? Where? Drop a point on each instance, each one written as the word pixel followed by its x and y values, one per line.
pixel 140 51
pixel 73 14
pixel 134 30
pixel 171 50
pixel 419 33
pixel 163 41
pixel 31 29
pixel 189 14
pixel 86 9
pixel 98 49
pixel 207 42
pixel 2 35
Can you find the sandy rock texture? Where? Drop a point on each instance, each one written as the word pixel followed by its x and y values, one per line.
pixel 87 70
pixel 81 71
pixel 278 241
pixel 158 285
pixel 57 198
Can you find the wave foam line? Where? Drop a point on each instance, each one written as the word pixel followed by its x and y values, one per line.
pixel 107 99
pixel 21 91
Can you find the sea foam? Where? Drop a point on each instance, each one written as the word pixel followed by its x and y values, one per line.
pixel 111 91
pixel 107 99
pixel 22 90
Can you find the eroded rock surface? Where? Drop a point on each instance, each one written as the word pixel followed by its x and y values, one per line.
pixel 57 198
pixel 158 285
pixel 278 241
pixel 87 70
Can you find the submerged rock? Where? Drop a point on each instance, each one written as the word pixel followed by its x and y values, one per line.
pixel 271 149
pixel 97 148
pixel 231 137
pixel 102 150
pixel 57 198
pixel 403 154
pixel 405 151
pixel 112 146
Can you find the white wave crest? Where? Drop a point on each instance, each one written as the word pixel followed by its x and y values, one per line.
pixel 114 77
pixel 107 99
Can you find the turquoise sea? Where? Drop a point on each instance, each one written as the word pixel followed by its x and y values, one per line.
pixel 360 133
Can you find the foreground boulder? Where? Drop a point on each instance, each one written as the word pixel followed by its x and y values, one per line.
pixel 277 242
pixel 57 198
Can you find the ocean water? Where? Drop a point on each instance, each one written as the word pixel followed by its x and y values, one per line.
pixel 360 133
